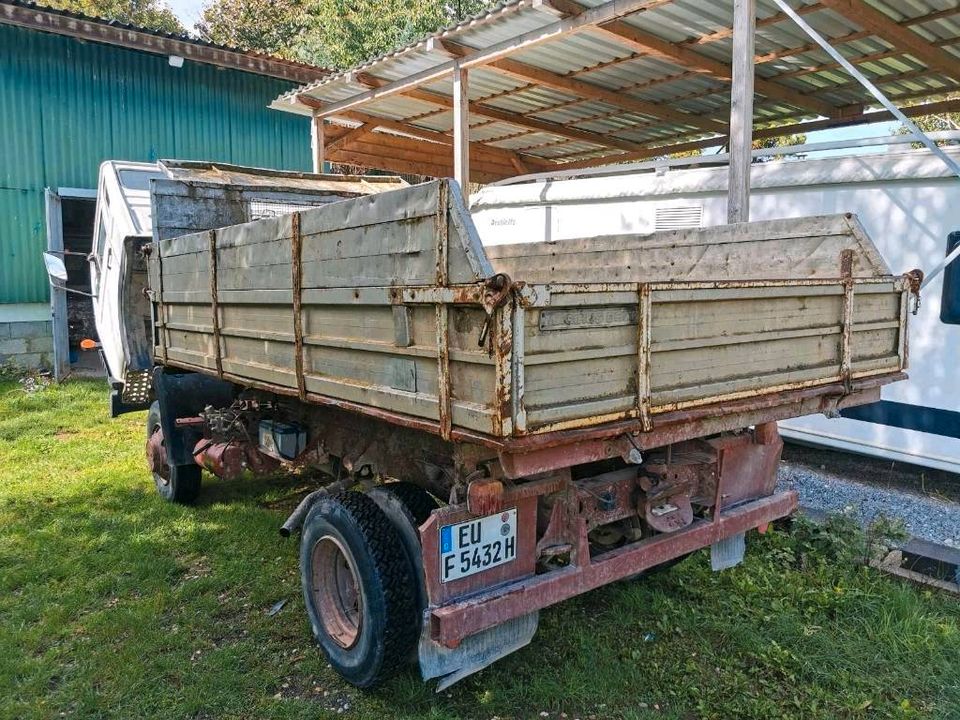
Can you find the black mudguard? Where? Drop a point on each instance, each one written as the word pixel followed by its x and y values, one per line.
pixel 185 394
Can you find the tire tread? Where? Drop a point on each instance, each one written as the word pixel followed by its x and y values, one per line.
pixel 392 572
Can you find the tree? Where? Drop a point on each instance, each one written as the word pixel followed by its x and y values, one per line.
pixel 777 142
pixel 936 123
pixel 329 33
pixel 347 32
pixel 276 27
pixel 150 14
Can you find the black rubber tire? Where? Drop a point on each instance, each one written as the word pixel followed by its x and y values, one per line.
pixel 408 506
pixel 418 502
pixel 388 630
pixel 183 482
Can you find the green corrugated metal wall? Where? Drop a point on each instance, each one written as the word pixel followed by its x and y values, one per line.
pixel 66 106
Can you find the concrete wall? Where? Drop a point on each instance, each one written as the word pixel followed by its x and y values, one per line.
pixel 27 344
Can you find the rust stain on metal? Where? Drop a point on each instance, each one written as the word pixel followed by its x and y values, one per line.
pixel 160 309
pixel 231 460
pixel 156 453
pixel 296 264
pixel 503 361
pixel 914 280
pixel 443 371
pixel 485 497
pixel 644 312
pixel 452 622
pixel 523 566
pixel 496 293
pixel 442 232
pixel 846 352
pixel 215 303
pixel 523 455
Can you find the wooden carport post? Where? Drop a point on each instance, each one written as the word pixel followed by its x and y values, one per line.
pixel 741 111
pixel 461 129
pixel 316 142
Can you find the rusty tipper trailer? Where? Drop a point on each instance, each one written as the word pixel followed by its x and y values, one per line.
pixel 508 426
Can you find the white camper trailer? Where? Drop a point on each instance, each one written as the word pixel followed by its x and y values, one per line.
pixel 908 202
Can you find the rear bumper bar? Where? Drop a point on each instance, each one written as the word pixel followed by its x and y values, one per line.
pixel 449 624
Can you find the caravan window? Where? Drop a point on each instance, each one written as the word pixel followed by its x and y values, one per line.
pixel 950 301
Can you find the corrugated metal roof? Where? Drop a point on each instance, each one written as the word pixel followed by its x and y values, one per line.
pixel 66 106
pixel 183 37
pixel 563 78
pixel 43 17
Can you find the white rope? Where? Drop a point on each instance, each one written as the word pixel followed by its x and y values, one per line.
pixel 894 110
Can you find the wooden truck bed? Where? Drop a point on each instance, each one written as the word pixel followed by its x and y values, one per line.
pixel 391 305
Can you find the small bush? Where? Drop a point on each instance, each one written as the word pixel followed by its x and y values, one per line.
pixel 838 540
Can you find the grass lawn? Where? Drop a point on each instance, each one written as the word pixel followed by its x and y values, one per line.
pixel 116 604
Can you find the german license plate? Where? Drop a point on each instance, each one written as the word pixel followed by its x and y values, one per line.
pixel 477 545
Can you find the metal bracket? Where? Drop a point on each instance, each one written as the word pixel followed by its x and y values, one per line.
pixel 496 293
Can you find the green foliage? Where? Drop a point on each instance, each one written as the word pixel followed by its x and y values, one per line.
pixel 114 603
pixel 346 32
pixel 329 33
pixel 936 123
pixel 151 14
pixel 777 142
pixel 276 27
pixel 838 540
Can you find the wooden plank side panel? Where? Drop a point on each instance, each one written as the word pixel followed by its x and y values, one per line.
pixel 358 345
pixel 706 344
pixel 776 249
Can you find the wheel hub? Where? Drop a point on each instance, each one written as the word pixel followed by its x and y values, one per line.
pixel 157 455
pixel 336 591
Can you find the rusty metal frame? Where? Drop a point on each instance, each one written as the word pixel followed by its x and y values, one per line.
pixel 904 339
pixel 160 311
pixel 644 310
pixel 530 454
pixel 296 264
pixel 846 358
pixel 215 303
pixel 442 231
pixel 443 371
pixel 518 369
pixel 504 351
pixel 449 624
pixel 539 294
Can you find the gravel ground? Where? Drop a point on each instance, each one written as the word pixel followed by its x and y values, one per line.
pixel 930 518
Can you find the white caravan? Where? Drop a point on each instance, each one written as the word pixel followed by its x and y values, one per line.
pixel 907 200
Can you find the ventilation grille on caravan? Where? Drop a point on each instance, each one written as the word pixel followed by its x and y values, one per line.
pixel 678 217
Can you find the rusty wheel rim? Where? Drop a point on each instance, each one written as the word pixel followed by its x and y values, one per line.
pixel 156 455
pixel 336 591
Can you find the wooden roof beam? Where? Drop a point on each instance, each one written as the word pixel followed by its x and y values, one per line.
pixel 885 27
pixel 609 10
pixel 779 17
pixel 636 39
pixel 372 122
pixel 946 106
pixel 487 111
pixel 432 136
pixel 580 88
